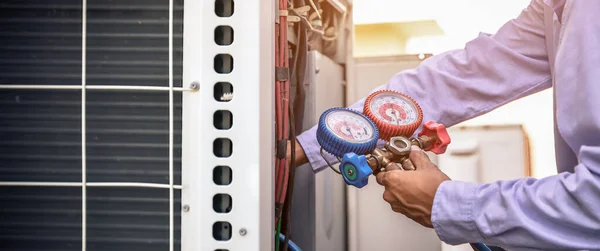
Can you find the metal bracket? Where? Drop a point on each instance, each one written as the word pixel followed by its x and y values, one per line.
pixel 282 73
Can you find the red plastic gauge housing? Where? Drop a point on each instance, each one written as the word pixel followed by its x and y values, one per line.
pixel 394 113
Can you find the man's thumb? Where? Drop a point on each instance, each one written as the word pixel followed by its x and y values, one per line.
pixel 419 158
pixel 382 178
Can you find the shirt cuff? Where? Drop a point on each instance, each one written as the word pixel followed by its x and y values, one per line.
pixel 312 150
pixel 453 213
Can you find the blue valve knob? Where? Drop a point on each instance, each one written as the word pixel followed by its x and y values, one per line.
pixel 355 169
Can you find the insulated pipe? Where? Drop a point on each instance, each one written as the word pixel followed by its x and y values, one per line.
pixel 292 246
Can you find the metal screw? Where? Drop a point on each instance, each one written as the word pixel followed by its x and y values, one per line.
pixel 243 231
pixel 186 208
pixel 195 86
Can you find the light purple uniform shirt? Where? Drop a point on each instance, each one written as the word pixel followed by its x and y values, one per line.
pixel 552 43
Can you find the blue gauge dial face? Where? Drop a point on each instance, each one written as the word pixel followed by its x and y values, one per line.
pixel 349 126
pixel 393 109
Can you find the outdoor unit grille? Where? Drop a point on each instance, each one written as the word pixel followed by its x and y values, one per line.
pixel 90 125
pixel 114 139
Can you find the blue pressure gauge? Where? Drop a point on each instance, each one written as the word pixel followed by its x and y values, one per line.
pixel 342 130
pixel 349 135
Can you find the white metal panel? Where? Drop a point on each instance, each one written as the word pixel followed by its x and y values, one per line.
pixel 251 216
pixel 330 201
pixel 371 72
pixel 503 149
pixel 461 160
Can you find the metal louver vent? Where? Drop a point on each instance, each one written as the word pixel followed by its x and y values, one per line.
pixel 85 125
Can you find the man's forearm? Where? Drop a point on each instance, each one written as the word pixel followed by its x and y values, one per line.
pixel 299 154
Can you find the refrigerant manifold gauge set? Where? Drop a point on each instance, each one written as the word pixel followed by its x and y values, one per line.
pixel 391 116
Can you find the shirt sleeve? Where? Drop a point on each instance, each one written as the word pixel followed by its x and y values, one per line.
pixel 490 71
pixel 555 213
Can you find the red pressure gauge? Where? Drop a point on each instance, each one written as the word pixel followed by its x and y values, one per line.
pixel 394 113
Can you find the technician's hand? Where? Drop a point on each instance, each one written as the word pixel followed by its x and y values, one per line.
pixel 411 192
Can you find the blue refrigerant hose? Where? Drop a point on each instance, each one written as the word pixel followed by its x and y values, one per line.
pixel 291 245
pixel 480 247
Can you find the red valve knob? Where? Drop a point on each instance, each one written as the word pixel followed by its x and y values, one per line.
pixel 438 137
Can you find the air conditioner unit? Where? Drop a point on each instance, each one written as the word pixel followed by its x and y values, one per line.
pixel 98 101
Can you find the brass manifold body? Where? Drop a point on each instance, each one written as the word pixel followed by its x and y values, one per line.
pixel 394 155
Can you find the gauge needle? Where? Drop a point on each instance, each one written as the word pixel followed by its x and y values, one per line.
pixel 347 127
pixel 394 113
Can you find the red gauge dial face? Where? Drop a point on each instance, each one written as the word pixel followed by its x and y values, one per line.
pixel 349 126
pixel 394 109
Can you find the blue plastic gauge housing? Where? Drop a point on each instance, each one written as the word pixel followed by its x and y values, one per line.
pixel 348 134
pixel 342 130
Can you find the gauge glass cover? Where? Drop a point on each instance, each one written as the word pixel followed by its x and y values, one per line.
pixel 349 126
pixel 394 109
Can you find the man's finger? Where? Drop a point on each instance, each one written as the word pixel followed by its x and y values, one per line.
pixel 418 157
pixel 382 178
pixel 398 209
pixel 388 197
pixel 388 178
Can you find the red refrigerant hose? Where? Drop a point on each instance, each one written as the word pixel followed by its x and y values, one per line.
pixel 282 97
